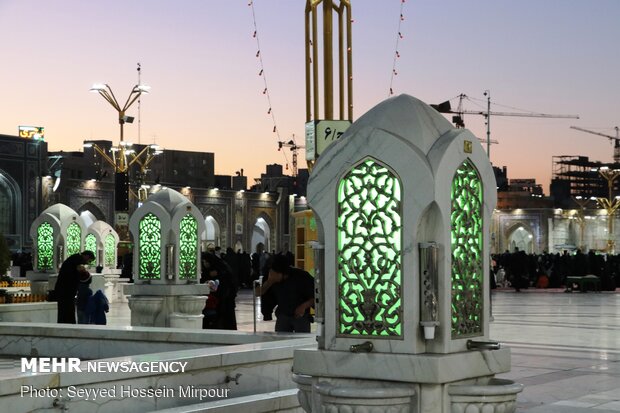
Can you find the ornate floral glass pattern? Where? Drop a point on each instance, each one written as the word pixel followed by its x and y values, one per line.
pixel 90 243
pixel 188 247
pixel 74 238
pixel 45 246
pixel 466 240
pixel 369 251
pixel 109 248
pixel 149 247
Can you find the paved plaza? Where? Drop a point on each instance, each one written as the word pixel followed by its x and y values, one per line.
pixel 564 349
pixel 564 346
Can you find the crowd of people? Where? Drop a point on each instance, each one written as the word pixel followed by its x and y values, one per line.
pixel 227 272
pixel 520 270
pixel 288 290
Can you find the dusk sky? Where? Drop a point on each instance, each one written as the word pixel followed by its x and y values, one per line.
pixel 199 57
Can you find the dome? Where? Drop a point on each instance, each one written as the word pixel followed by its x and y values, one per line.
pixel 61 212
pixel 100 227
pixel 405 117
pixel 168 198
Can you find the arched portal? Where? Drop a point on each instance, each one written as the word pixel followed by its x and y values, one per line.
pixel 10 205
pixel 90 211
pixel 211 234
pixel 88 218
pixel 521 238
pixel 261 233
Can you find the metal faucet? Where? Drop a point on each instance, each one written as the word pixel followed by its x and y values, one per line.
pixel 234 378
pixel 483 345
pixel 365 347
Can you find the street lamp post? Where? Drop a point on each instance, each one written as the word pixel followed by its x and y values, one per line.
pixel 610 204
pixel 123 156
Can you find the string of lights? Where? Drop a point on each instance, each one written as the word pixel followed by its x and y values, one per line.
pixel 399 37
pixel 263 74
pixel 139 68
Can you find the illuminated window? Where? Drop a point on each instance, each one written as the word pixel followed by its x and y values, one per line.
pixel 90 243
pixel 369 252
pixel 466 240
pixel 45 246
pixel 188 247
pixel 74 238
pixel 149 247
pixel 109 250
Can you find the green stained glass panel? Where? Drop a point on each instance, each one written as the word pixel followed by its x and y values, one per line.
pixel 74 238
pixel 188 247
pixel 90 243
pixel 45 246
pixel 149 247
pixel 109 251
pixel 369 252
pixel 466 244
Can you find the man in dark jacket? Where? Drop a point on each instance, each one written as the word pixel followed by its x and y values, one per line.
pixel 67 284
pixel 292 290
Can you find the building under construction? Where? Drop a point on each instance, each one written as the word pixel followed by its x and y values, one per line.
pixel 578 176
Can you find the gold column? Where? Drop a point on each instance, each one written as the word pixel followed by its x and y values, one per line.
pixel 610 204
pixel 328 62
pixel 343 10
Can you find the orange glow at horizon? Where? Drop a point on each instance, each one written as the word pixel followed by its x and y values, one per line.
pixel 200 59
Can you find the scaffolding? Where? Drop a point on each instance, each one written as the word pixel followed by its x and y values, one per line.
pixel 580 176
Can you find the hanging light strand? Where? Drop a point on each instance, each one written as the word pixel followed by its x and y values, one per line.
pixel 399 37
pixel 139 68
pixel 262 74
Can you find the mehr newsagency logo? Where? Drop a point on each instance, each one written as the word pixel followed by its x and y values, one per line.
pixel 112 390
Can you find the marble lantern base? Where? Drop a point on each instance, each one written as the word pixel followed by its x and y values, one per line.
pixel 338 381
pixel 39 282
pixel 111 278
pixel 167 305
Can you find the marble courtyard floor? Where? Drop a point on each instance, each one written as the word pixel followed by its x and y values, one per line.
pixel 565 347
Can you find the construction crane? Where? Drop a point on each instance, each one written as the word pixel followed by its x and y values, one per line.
pixel 616 138
pixel 458 121
pixel 294 148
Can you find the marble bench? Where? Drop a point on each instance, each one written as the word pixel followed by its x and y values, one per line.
pixel 40 312
pixel 253 377
pixel 272 402
pixel 584 282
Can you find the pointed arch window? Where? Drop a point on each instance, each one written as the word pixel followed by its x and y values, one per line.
pixel 467 249
pixel 188 247
pixel 109 251
pixel 90 243
pixel 8 206
pixel 74 238
pixel 369 236
pixel 149 247
pixel 45 246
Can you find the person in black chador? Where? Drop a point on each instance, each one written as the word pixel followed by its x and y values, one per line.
pixel 219 310
pixel 292 290
pixel 67 285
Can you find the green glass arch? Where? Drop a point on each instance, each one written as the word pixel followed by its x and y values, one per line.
pixel 45 246
pixel 90 243
pixel 109 251
pixel 369 240
pixel 74 238
pixel 466 234
pixel 149 247
pixel 188 247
